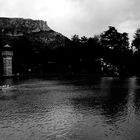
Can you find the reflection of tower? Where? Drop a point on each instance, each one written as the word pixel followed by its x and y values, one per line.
pixel 7 55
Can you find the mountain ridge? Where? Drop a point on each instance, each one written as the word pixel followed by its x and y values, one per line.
pixel 15 25
pixel 35 32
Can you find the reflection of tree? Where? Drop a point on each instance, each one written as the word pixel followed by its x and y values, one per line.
pixel 137 99
pixel 110 99
pixel 89 94
pixel 114 105
pixel 137 102
pixel 7 81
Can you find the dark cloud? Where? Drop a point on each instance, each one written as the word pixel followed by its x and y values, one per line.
pixel 83 17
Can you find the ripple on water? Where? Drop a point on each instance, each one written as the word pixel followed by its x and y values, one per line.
pixel 80 109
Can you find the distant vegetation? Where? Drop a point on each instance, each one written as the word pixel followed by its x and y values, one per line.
pixel 109 53
pixel 39 49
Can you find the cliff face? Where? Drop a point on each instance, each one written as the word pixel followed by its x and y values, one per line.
pixel 35 32
pixel 15 26
pixel 32 41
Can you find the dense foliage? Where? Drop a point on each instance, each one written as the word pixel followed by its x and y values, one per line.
pixel 46 51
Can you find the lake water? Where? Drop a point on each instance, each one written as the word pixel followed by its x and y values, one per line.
pixel 72 108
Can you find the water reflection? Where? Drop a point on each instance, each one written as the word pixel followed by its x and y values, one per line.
pixel 7 81
pixel 114 105
pixel 75 108
pixel 137 98
pixel 108 99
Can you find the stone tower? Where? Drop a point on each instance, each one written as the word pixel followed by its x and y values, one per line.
pixel 7 55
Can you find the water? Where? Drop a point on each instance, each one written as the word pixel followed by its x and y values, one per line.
pixel 80 108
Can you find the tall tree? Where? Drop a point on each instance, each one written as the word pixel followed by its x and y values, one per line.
pixel 136 55
pixel 112 39
pixel 115 47
pixel 136 40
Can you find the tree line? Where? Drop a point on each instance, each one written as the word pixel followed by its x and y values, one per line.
pixel 109 53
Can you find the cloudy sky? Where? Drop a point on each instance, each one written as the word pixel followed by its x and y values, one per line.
pixel 82 17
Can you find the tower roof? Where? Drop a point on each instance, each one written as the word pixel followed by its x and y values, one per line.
pixel 7 46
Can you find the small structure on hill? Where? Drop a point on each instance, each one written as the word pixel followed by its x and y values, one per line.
pixel 7 55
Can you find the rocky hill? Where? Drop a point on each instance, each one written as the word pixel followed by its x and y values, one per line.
pixel 17 26
pixel 32 41
pixel 35 32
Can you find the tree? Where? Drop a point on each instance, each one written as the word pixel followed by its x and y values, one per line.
pixel 136 55
pixel 83 39
pixel 136 41
pixel 75 38
pixel 115 47
pixel 112 39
